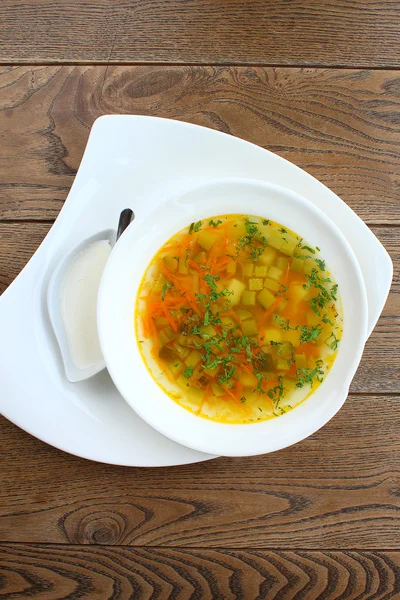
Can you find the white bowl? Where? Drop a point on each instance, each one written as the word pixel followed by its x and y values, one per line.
pixel 117 298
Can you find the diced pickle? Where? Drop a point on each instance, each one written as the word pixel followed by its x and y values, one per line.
pixel 249 327
pixel 211 372
pixel 255 284
pixel 167 353
pixel 183 382
pixel 260 271
pixel 275 273
pixel 207 239
pixel 271 284
pixel 193 359
pixel 235 287
pixel 248 298
pixel 265 298
pixel 248 269
pixel 243 314
pixel 300 361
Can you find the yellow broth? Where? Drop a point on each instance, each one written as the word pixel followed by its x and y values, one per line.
pixel 238 318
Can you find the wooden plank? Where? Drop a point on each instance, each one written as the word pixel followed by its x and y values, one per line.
pixel 336 489
pixel 340 126
pixel 379 368
pixel 363 33
pixel 57 572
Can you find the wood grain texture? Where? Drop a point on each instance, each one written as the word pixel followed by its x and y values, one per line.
pixel 379 369
pixel 359 33
pixel 337 489
pixel 56 573
pixel 341 126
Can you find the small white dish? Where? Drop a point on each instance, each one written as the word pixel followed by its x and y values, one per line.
pixel 117 299
pixel 90 418
pixel 54 304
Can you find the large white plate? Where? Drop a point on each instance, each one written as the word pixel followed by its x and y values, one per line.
pixel 137 162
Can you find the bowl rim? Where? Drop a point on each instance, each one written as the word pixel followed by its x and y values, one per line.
pixel 229 447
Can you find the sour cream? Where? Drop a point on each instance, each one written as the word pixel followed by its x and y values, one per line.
pixel 79 303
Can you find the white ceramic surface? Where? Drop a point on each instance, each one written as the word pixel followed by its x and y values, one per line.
pixel 117 298
pixel 54 292
pixel 138 162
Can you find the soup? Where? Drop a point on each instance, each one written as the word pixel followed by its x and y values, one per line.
pixel 238 318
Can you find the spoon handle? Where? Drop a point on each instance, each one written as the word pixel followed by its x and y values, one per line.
pixel 125 218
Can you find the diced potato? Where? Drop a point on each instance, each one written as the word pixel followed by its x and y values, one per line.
pixel 293 337
pixel 297 293
pixel 282 263
pixel 275 273
pixel 170 263
pixel 249 327
pixel 228 322
pixel 260 271
pixel 160 282
pixel 208 329
pixel 176 366
pixel 276 240
pixel 182 267
pixel 285 351
pixel 217 390
pixel 248 269
pixel 309 265
pixel 183 382
pixel 265 298
pixel 313 319
pixel 247 379
pixel 289 244
pixel 255 284
pixel 271 284
pixel 207 239
pixel 231 267
pixel 282 364
pixel 193 359
pixel 249 298
pixel 243 314
pixel 200 257
pixel 264 231
pixel 282 305
pixel 161 321
pixel 300 361
pixel 267 257
pixel 166 335
pixel 297 265
pixel 211 372
pixel 236 230
pixel 236 288
pixel 273 335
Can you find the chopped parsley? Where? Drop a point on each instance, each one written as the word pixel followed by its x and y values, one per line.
pixel 215 223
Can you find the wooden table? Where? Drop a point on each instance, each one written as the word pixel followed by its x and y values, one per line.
pixel 317 82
